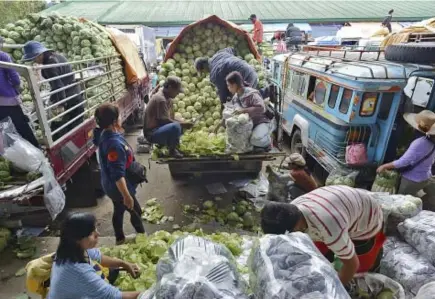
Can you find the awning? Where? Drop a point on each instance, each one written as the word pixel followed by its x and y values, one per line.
pixel 363 30
pixel 319 30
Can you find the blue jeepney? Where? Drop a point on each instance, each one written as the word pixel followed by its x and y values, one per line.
pixel 340 99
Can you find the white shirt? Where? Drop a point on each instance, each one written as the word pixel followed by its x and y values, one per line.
pixel 338 214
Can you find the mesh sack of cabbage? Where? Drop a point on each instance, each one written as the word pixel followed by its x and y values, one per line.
pixel 340 176
pixel 196 268
pixel 397 208
pixel 238 132
pixel 373 285
pixel 279 179
pixel 427 291
pixel 419 232
pixel 290 266
pixel 404 264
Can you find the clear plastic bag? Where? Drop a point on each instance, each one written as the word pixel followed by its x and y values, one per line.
pixel 397 208
pixel 376 284
pixel 238 134
pixel 26 157
pixel 197 268
pixel 279 179
pixel 427 291
pixel 342 176
pixel 402 263
pixel 290 266
pixel 419 232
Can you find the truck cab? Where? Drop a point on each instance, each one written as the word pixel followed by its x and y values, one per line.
pixel 342 99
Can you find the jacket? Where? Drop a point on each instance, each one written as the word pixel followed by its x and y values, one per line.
pixel 225 62
pixel 54 58
pixel 252 101
pixel 115 157
pixel 293 35
pixel 9 78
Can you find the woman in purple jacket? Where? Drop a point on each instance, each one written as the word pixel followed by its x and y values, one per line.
pixel 10 99
pixel 416 163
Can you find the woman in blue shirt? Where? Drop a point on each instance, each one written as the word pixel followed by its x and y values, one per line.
pixel 116 157
pixel 76 271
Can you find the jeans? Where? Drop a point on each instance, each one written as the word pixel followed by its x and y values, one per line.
pixel 261 134
pixel 166 135
pixel 118 215
pixel 20 121
pixel 408 187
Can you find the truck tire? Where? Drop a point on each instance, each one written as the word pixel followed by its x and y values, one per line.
pixel 423 53
pixel 296 145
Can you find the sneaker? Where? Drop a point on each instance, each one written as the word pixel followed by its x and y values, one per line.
pixel 175 154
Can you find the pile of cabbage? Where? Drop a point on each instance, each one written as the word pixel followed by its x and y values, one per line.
pixel 77 39
pixel 200 103
pixel 147 250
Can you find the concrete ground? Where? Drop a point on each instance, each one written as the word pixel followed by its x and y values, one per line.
pixel 172 195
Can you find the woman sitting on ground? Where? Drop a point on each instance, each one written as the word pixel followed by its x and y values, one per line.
pixel 77 268
pixel 299 174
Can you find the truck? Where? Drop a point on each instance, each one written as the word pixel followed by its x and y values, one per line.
pixel 67 140
pixel 204 38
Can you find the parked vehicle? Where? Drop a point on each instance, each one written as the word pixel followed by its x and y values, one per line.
pixel 336 100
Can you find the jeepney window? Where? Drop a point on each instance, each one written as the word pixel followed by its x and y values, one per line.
pixel 368 105
pixel 319 92
pixel 298 83
pixel 333 95
pixel 345 100
pixel 386 102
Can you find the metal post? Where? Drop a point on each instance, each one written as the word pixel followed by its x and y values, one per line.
pixel 40 111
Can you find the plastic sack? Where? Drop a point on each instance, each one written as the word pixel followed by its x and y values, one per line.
pixel 402 263
pixel 356 154
pixel 376 285
pixel 290 266
pixel 397 208
pixel 229 109
pixel 239 130
pixel 279 179
pixel 419 232
pixel 26 157
pixel 427 291
pixel 386 181
pixel 196 268
pixel 342 176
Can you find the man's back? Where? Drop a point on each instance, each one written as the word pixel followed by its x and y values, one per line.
pixel 157 107
pixel 342 208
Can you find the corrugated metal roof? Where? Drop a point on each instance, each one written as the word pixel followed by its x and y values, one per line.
pixel 183 12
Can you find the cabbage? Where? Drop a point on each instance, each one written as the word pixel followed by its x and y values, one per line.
pixel 197 106
pixel 181 104
pixel 216 115
pixel 190 109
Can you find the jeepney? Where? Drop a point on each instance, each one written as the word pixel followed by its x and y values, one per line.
pixel 335 99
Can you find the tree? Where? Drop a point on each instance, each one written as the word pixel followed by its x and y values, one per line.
pixel 12 11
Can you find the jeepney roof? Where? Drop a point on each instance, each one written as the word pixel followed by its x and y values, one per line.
pixel 356 65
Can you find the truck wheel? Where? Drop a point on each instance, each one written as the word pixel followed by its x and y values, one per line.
pixel 423 53
pixel 296 145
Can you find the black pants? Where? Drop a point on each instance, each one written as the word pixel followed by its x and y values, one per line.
pixel 118 216
pixel 20 121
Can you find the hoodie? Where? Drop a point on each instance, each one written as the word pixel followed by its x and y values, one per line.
pixel 115 157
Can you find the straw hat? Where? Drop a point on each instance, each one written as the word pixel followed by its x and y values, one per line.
pixel 296 159
pixel 423 121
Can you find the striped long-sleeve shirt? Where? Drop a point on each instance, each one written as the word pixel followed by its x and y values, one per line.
pixel 336 215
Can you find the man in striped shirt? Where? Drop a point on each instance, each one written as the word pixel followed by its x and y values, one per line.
pixel 341 220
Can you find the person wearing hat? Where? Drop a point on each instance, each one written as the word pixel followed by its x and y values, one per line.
pixel 258 29
pixel 10 101
pixel 160 126
pixel 299 173
pixel 416 163
pixel 38 53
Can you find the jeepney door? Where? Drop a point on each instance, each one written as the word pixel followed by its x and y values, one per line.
pixel 419 90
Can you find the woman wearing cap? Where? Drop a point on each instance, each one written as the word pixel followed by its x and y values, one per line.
pixel 299 173
pixel 38 53
pixel 416 163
